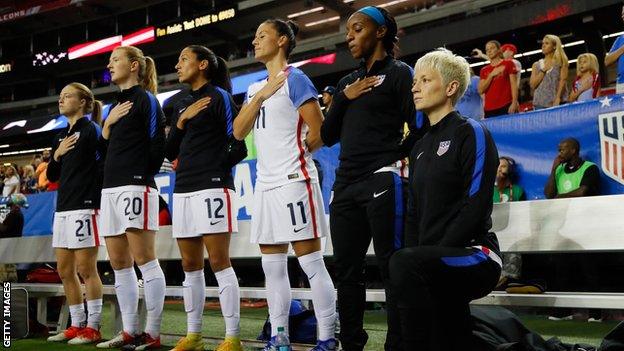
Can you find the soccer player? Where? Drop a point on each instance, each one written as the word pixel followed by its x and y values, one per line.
pixel 448 243
pixel 369 111
pixel 76 164
pixel 285 116
pixel 203 214
pixel 133 135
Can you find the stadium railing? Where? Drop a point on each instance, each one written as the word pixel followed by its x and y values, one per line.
pixel 541 226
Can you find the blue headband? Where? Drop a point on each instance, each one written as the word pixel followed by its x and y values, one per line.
pixel 374 13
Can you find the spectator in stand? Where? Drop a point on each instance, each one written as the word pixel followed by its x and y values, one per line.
pixel 498 83
pixel 13 223
pixel 587 82
pixel 40 171
pixel 509 51
pixel 2 173
pixel 506 191
pixel 327 97
pixel 29 181
pixel 549 75
pixel 571 176
pixel 36 161
pixel 11 182
pixel 471 103
pixel 615 55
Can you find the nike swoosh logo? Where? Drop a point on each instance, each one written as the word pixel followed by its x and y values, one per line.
pixel 83 239
pixel 251 96
pixel 420 154
pixel 298 230
pixel 376 195
pixel 182 110
pixel 213 223
pixel 132 218
pixel 221 291
pixel 312 276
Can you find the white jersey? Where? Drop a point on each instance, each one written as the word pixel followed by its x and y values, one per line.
pixel 280 132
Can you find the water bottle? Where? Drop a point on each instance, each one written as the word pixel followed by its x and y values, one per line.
pixel 281 340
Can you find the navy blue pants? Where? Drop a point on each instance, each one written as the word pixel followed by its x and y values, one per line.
pixel 372 208
pixel 434 286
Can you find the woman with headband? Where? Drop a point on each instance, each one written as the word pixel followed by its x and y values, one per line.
pixel 367 116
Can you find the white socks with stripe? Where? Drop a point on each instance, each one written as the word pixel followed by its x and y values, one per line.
pixel 278 290
pixel 194 290
pixel 323 293
pixel 229 298
pixel 127 290
pixel 78 316
pixel 154 286
pixel 94 309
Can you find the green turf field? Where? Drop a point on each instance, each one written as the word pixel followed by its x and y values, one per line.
pixel 252 319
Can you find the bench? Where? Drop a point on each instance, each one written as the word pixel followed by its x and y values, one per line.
pixel 561 225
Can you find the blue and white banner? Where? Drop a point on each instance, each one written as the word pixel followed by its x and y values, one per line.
pixel 532 140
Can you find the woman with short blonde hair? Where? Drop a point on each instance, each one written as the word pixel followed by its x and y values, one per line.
pixel 448 242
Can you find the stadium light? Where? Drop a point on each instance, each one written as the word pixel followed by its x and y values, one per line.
pixel 316 23
pixel 391 3
pixel 306 12
pixel 612 35
pixel 24 151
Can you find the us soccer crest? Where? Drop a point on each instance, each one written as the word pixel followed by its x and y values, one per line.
pixel 611 127
pixel 381 77
pixel 443 148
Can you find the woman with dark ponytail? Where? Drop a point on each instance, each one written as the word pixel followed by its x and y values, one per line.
pixel 203 213
pixel 370 109
pixel 76 164
pixel 284 112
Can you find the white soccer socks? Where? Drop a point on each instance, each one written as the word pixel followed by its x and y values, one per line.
pixel 323 293
pixel 127 289
pixel 154 285
pixel 229 298
pixel 78 316
pixel 94 309
pixel 194 289
pixel 278 290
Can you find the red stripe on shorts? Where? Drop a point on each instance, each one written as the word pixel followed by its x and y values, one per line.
pixel 145 208
pixel 229 209
pixel 302 161
pixel 95 228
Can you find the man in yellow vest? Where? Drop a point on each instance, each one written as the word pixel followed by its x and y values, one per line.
pixel 571 176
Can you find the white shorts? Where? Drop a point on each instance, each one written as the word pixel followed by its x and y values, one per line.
pixel 292 212
pixel 77 229
pixel 208 211
pixel 130 206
